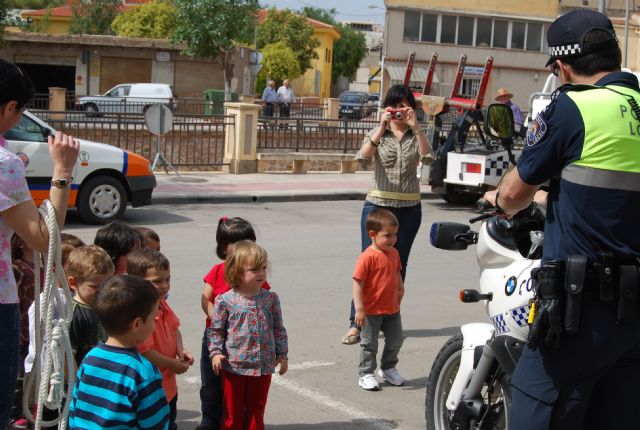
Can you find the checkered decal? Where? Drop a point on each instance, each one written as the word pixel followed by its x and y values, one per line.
pixel 564 50
pixel 496 167
pixel 500 324
pixel 520 315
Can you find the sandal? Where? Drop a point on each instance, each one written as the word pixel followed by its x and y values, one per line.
pixel 351 339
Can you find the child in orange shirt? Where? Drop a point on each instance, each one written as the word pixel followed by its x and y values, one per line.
pixel 377 293
pixel 164 347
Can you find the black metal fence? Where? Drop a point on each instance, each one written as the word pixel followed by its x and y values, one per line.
pixel 195 141
pixel 343 135
pixel 313 109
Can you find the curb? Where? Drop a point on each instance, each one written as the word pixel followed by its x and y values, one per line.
pixel 195 198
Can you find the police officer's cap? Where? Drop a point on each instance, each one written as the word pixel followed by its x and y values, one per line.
pixel 567 33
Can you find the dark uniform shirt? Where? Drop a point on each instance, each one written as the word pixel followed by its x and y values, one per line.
pixel 580 219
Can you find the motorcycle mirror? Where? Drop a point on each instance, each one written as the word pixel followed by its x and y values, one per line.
pixel 499 121
pixel 451 236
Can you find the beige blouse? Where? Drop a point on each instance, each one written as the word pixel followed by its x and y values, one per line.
pixel 394 182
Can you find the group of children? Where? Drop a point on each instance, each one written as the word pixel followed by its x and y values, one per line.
pixel 126 338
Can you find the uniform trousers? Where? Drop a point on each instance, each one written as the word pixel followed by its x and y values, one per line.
pixel 590 382
pixel 245 399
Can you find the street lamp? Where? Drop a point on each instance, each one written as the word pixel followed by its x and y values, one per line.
pixel 383 54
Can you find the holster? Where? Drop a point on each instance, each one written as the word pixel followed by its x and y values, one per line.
pixel 628 294
pixel 548 280
pixel 575 274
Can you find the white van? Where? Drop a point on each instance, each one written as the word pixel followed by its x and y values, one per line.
pixel 105 178
pixel 128 98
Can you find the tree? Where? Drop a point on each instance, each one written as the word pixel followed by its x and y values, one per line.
pixel 212 28
pixel 94 16
pixel 155 20
pixel 348 51
pixel 327 16
pixel 292 29
pixel 279 62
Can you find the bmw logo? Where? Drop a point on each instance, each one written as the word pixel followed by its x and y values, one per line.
pixel 510 286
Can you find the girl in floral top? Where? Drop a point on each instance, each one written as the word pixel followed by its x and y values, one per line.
pixel 247 339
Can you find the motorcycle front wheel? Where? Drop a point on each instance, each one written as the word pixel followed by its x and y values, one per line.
pixel 443 372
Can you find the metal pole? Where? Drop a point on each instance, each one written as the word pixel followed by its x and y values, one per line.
pixel 626 32
pixel 383 50
pixel 602 6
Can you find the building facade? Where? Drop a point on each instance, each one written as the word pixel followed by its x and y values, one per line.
pixel 91 64
pixel 513 33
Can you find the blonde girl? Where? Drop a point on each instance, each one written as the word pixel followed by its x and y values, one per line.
pixel 247 338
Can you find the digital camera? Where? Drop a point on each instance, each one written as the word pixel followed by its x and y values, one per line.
pixel 397 114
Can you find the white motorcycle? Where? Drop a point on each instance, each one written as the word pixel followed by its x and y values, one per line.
pixel 469 383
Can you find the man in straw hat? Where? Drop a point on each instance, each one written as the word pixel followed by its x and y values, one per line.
pixel 581 366
pixel 504 96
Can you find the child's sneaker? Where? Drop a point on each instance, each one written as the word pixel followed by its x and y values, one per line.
pixel 19 424
pixel 368 382
pixel 391 376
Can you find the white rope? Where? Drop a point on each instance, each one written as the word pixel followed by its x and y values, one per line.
pixel 48 380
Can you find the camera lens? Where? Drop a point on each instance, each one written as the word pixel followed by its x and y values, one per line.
pixel 399 115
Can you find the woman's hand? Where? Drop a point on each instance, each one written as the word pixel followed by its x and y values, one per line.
pixel 63 150
pixel 385 117
pixel 410 117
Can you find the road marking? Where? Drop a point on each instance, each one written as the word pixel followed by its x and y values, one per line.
pixel 304 365
pixel 195 380
pixel 372 421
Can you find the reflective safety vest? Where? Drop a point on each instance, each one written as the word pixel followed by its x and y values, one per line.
pixel 610 155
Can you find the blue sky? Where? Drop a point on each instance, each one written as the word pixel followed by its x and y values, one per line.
pixel 356 10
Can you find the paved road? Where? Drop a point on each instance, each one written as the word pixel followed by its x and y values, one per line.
pixel 312 247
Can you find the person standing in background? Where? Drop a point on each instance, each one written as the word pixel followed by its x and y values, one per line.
pixel 504 96
pixel 269 98
pixel 285 98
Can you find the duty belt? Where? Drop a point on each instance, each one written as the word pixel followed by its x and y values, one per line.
pixel 602 281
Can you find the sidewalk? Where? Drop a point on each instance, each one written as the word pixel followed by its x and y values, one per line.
pixel 218 187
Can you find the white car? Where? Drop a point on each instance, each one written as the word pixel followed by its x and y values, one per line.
pixel 128 98
pixel 105 178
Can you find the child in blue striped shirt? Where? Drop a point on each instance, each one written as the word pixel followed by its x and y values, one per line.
pixel 117 387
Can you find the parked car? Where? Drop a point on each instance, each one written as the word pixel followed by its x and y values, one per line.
pixel 354 105
pixel 105 178
pixel 129 98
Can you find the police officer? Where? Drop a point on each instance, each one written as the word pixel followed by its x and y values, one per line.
pixel 584 375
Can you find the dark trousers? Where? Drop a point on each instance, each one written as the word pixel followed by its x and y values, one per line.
pixel 173 413
pixel 409 219
pixel 267 109
pixel 245 399
pixel 210 390
pixel 285 110
pixel 590 382
pixel 9 358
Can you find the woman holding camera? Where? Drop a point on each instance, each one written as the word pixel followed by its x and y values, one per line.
pixel 394 147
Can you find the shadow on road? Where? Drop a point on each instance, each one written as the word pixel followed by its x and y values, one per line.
pixel 432 332
pixel 147 216
pixel 344 425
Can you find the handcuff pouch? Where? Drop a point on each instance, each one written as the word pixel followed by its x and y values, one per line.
pixel 575 273
pixel 628 294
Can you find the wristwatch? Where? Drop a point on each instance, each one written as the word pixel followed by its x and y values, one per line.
pixel 61 183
